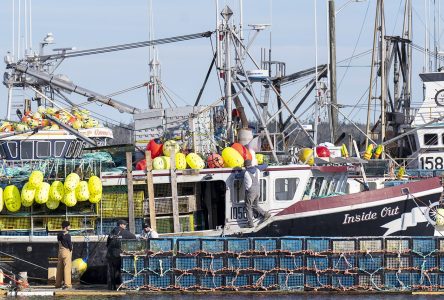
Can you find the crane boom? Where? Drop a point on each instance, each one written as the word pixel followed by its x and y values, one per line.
pixel 180 38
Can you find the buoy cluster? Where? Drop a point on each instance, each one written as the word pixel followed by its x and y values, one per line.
pixel 231 157
pixel 70 192
pixel 77 119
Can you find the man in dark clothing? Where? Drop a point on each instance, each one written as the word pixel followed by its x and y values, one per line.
pixel 113 254
pixel 252 191
pixel 64 257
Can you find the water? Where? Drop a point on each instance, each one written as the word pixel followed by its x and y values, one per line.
pixel 257 295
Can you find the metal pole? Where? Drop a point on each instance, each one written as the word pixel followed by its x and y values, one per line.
pixel 129 179
pixel 370 89
pixel 228 96
pixel 333 96
pixel 383 75
pixel 9 107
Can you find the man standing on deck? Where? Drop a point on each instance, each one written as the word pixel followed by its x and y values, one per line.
pixel 64 258
pixel 113 254
pixel 252 191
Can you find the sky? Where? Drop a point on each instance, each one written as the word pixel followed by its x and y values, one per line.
pixel 87 24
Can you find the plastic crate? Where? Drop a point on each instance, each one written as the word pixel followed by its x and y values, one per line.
pixel 370 263
pixel 129 246
pixel 343 281
pixel 371 245
pixel 212 264
pixel 105 226
pixel 428 263
pixel 158 246
pixel 212 282
pixel 343 246
pixel 291 281
pixel 264 263
pixel 159 264
pixel 213 246
pixel 291 262
pixel 397 245
pixel 317 280
pixel 185 263
pixel 186 281
pixel 370 281
pixel 292 245
pixel 397 262
pixel 133 264
pixel 424 280
pixel 165 224
pixel 159 281
pixel 317 245
pixel 317 263
pixel 264 280
pixel 441 244
pixel 188 246
pixel 133 282
pixel 238 245
pixel 265 245
pixel 424 246
pixel 343 263
pixel 237 281
pixel 396 280
pixel 115 204
pixel 238 263
pixel 16 223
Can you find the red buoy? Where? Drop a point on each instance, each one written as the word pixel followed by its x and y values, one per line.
pixel 141 165
pixel 215 161
pixel 322 151
pixel 155 146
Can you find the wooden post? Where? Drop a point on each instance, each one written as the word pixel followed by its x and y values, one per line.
pixel 150 185
pixel 129 181
pixel 174 197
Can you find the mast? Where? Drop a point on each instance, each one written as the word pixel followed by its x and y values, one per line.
pixel 226 14
pixel 333 96
pixel 154 88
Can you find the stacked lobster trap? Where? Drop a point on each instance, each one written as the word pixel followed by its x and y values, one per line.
pixel 286 264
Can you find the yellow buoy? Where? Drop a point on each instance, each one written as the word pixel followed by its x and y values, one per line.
pixel 166 162
pixel 368 152
pixel 71 182
pixel 378 151
pixel 158 163
pixel 232 158
pixel 82 191
pixel 11 198
pixel 56 191
pixel 1 199
pixel 195 161
pixel 170 145
pixel 35 179
pixel 95 198
pixel 344 151
pixel 70 198
pixel 401 173
pixel 95 185
pixel 79 267
pixel 42 193
pixel 259 158
pixel 181 161
pixel 305 155
pixel 52 204
pixel 27 195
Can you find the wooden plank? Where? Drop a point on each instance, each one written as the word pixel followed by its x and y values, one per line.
pixel 150 186
pixel 129 181
pixel 174 196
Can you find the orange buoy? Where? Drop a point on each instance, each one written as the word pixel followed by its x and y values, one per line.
pixel 155 146
pixel 141 165
pixel 243 151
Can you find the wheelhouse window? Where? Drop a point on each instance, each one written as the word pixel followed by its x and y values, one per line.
pixel 27 150
pixel 43 149
pixel 263 191
pixel 71 149
pixel 13 149
pixel 431 139
pixel 285 188
pixel 59 146
pixel 317 188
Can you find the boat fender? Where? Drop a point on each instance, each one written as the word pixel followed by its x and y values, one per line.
pixel 42 193
pixel 70 198
pixel 35 179
pixel 158 163
pixel 56 191
pixel 344 150
pixel 95 198
pixel 232 158
pixel 170 145
pixel 305 155
pixel 181 161
pixel 401 173
pixel 368 152
pixel 11 198
pixel 378 151
pixel 27 195
pixel 195 161
pixel 71 182
pixel 82 191
pixel 95 185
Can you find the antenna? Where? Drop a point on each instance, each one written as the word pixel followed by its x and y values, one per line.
pixel 154 88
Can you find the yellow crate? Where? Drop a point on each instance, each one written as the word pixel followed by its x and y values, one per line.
pixel 165 224
pixel 115 205
pixel 15 223
pixel 76 223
